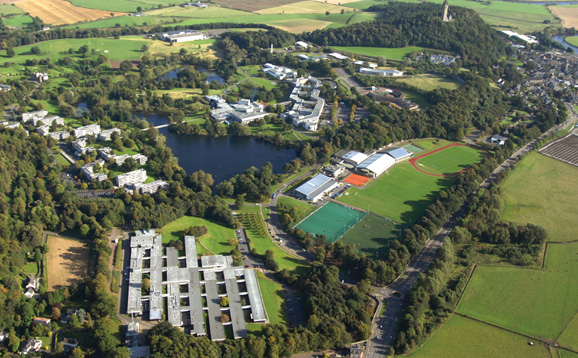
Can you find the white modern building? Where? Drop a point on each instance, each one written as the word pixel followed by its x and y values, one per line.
pixel 88 173
pixel 525 38
pixel 182 36
pixel 36 115
pixel 354 157
pixel 376 164
pixel 151 188
pixel 316 187
pixel 279 72
pixel 378 72
pixel 134 177
pixel 107 134
pixel 244 111
pixel 307 105
pixel 338 56
pixel 80 146
pixel 91 129
pixel 398 154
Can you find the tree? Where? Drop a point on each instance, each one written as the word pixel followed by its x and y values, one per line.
pixel 77 353
pixel 74 322
pixel 146 284
pixel 224 301
pixel 56 313
pixel 35 50
pixel 138 9
pixel 13 340
pixel 239 202
pixel 225 318
pixel 10 52
pixel 105 331
pixel 125 67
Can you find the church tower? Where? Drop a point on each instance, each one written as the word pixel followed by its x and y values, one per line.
pixel 446 17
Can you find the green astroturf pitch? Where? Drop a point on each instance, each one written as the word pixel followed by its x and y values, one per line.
pixel 332 220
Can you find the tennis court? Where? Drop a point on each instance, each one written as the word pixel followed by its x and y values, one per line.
pixel 332 220
pixel 413 149
pixel 357 180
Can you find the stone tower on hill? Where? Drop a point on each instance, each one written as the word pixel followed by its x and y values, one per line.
pixel 446 17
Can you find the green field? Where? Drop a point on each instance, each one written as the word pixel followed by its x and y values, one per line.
pixel 572 40
pixel 301 209
pixel 17 20
pixel 569 338
pixel 372 234
pixel 463 337
pixel 396 54
pixel 332 220
pixel 216 239
pixel 530 301
pixel 450 160
pixel 542 191
pixel 501 14
pixel 196 12
pixel 122 5
pixel 272 293
pixel 261 242
pixel 401 194
pixel 263 82
pixel 430 82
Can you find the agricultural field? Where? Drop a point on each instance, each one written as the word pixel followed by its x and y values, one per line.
pixel 272 293
pixel 13 16
pixel 60 12
pixel 401 194
pixel 67 261
pixel 430 82
pixel 114 5
pixel 252 5
pixel 526 200
pixel 372 233
pixel 463 337
pixel 537 302
pixel 568 15
pixel 304 7
pixel 301 209
pixel 216 240
pixel 300 25
pixel 572 40
pixel 395 54
pixel 449 160
pixel 261 242
pixel 197 12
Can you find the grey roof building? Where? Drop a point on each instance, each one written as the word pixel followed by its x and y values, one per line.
pixel 185 292
pixel 316 187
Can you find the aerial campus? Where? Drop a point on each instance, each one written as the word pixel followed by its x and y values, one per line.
pixel 311 178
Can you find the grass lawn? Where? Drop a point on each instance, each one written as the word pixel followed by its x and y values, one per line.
pixel 401 194
pixel 252 70
pixel 430 82
pixel 569 338
pixel 272 293
pixel 416 98
pixel 572 40
pixel 17 20
pixel 301 209
pixel 450 160
pixel 526 199
pixel 463 337
pixel 62 161
pixel 372 234
pixel 263 82
pixel 203 48
pixel 396 54
pixel 260 241
pixel 216 238
pixel 531 301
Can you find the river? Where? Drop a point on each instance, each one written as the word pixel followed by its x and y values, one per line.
pixel 223 157
pixel 561 40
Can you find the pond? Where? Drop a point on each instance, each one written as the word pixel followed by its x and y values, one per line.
pixel 211 76
pixel 223 157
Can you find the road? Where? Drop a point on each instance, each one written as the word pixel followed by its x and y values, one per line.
pixel 384 327
pixel 352 82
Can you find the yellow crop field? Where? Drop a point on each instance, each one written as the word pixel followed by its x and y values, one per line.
pixel 304 7
pixel 568 15
pixel 59 12
pixel 297 26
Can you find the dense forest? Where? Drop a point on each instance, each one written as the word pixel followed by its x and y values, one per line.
pixel 404 24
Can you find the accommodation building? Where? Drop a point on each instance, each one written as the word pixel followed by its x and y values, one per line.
pixel 151 188
pixel 88 173
pixel 307 104
pixel 134 177
pixel 107 134
pixel 31 345
pixel 36 115
pixel 89 130
pixel 41 321
pixel 279 72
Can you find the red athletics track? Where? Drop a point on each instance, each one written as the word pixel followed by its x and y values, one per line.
pixel 413 161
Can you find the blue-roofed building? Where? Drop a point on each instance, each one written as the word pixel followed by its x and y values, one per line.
pixel 398 154
pixel 316 187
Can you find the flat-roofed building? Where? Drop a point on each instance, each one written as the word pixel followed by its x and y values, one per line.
pixel 376 164
pixel 88 173
pixel 89 130
pixel 151 188
pixel 107 134
pixel 175 288
pixel 36 115
pixel 378 72
pixel 316 187
pixel 134 177
pixel 182 36
pixel 354 157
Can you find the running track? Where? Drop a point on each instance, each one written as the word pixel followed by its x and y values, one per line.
pixel 413 161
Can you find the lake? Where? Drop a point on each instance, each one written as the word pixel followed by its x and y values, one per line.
pixel 223 157
pixel 211 76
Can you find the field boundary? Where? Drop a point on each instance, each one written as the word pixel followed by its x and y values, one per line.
pixel 414 160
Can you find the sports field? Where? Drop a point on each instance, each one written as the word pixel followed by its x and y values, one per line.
pixel 396 54
pixel 216 240
pixel 67 262
pixel 331 220
pixel 530 301
pixel 542 191
pixel 59 12
pixel 372 234
pixel 401 194
pixel 430 82
pixel 356 179
pixel 463 337
pixel 448 160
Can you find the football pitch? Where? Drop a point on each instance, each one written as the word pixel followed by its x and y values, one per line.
pixel 372 234
pixel 331 220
